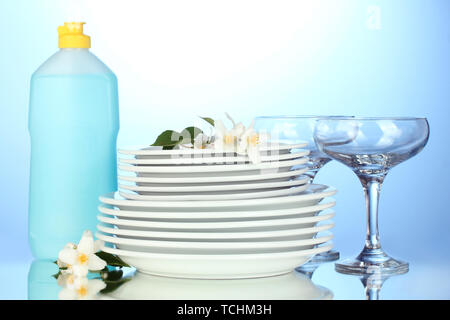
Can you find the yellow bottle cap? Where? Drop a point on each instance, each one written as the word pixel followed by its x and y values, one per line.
pixel 71 36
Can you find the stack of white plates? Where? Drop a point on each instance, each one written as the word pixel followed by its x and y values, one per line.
pixel 201 214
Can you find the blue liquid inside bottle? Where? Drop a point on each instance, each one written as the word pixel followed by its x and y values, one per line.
pixel 73 125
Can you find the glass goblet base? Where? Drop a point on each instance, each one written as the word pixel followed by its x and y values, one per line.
pixel 373 261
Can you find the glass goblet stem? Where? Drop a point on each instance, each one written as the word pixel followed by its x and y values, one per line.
pixel 372 258
pixel 312 174
pixel 372 194
pixel 315 165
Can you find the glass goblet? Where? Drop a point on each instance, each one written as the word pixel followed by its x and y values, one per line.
pixel 296 129
pixel 371 147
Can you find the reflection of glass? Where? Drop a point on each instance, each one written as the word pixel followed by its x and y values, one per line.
pixel 372 285
pixel 295 129
pixel 372 281
pixel 370 147
pixel 288 286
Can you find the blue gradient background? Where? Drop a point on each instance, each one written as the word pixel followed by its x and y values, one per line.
pixel 176 60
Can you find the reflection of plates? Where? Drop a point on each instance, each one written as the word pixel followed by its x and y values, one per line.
pixel 291 286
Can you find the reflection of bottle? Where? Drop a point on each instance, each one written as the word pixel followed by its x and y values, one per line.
pixel 73 125
pixel 41 284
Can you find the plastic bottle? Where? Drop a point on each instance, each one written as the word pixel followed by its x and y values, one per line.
pixel 73 126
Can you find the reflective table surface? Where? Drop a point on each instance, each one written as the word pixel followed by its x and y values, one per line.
pixel 34 280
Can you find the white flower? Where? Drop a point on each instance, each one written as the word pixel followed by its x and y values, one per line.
pixel 82 258
pixel 82 289
pixel 227 140
pixel 238 128
pixel 201 141
pixel 66 280
pixel 250 142
pixel 66 268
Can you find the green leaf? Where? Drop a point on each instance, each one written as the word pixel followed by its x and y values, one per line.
pixel 189 134
pixel 111 260
pixel 112 275
pixel 167 138
pixel 209 120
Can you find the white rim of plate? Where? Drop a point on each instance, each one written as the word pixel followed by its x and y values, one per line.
pixel 150 150
pixel 215 215
pixel 215 235
pixel 213 245
pixel 263 255
pixel 222 187
pixel 215 225
pixel 237 178
pixel 214 168
pixel 326 192
pixel 226 196
pixel 213 160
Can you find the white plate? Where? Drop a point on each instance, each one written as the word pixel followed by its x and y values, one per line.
pixel 271 224
pixel 180 190
pixel 189 181
pixel 158 151
pixel 298 233
pixel 215 196
pixel 216 251
pixel 307 211
pixel 312 196
pixel 290 286
pixel 192 245
pixel 199 159
pixel 248 168
pixel 211 266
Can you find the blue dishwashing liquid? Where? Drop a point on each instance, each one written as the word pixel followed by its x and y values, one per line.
pixel 73 125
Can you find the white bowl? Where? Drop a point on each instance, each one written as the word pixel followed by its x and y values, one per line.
pixel 307 211
pixel 290 233
pixel 254 194
pixel 312 196
pixel 221 226
pixel 213 170
pixel 213 266
pixel 241 250
pixel 122 243
pixel 205 181
pixel 193 159
pixel 150 152
pixel 214 188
